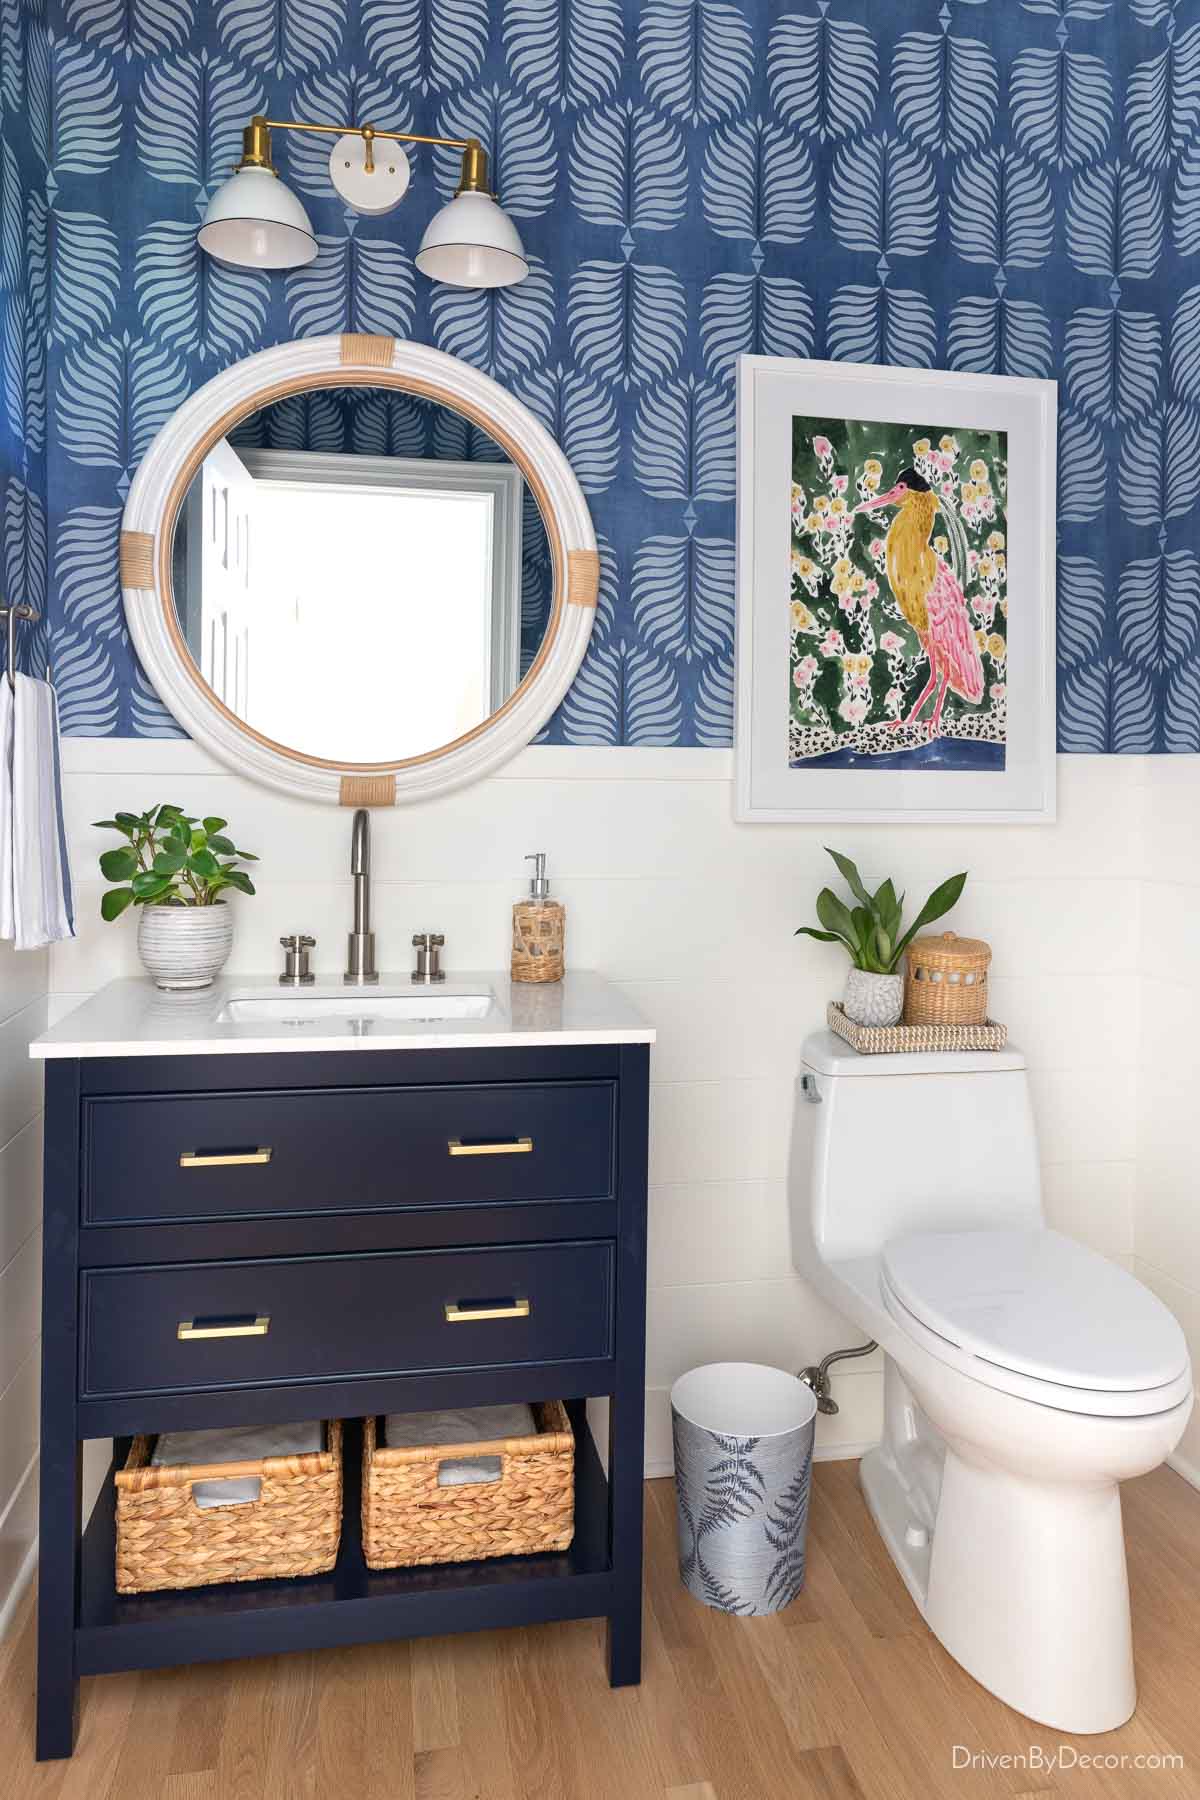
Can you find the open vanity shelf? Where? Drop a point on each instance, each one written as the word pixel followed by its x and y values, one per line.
pixel 363 1238
pixel 350 1605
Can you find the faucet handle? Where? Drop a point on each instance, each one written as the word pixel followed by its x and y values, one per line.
pixel 428 945
pixel 296 972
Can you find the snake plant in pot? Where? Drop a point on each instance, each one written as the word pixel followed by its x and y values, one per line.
pixel 870 932
pixel 177 870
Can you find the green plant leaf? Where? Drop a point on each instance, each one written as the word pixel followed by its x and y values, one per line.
pixel 938 903
pixel 119 865
pixel 238 878
pixel 836 916
pixel 850 875
pixel 211 825
pixel 148 886
pixel 884 949
pixel 168 862
pixel 887 908
pixel 202 862
pixel 824 937
pixel 864 932
pixel 222 845
pixel 246 855
pixel 114 902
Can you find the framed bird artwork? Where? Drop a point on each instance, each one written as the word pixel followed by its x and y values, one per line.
pixel 895 610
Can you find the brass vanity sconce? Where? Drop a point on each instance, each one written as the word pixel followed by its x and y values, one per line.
pixel 255 221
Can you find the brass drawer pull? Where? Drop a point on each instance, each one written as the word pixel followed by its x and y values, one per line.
pixel 240 1326
pixel 457 1314
pixel 222 1159
pixel 501 1147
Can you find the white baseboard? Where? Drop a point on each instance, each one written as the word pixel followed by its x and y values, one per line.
pixel 18 1588
pixel 842 1452
pixel 18 1525
pixel 1182 1466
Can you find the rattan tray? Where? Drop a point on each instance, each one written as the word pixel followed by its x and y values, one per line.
pixel 878 1040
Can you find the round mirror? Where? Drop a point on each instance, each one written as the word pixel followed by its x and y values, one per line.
pixel 358 568
pixel 361 574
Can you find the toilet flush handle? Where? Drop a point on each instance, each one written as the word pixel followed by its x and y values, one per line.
pixel 810 1090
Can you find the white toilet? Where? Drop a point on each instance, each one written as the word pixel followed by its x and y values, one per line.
pixel 1025 1376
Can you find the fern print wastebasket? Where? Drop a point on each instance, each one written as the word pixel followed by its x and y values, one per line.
pixel 743 1468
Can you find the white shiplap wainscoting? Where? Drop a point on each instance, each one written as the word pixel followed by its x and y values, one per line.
pixel 1167 1228
pixel 693 916
pixel 23 981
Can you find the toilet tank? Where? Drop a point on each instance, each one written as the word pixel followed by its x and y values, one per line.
pixel 883 1145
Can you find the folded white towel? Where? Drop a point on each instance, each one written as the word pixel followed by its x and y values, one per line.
pixel 36 904
pixel 460 1425
pixel 239 1443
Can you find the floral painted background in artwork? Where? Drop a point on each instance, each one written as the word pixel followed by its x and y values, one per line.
pixel 999 185
pixel 899 604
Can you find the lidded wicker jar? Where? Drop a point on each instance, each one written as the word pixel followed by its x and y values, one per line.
pixel 946 980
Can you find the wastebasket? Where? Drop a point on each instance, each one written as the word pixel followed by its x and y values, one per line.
pixel 743 1467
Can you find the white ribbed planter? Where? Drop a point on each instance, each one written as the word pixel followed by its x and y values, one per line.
pixel 184 946
pixel 873 999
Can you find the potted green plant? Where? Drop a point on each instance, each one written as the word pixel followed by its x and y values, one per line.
pixel 870 933
pixel 178 870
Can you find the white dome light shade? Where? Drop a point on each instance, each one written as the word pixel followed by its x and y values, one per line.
pixel 256 222
pixel 472 243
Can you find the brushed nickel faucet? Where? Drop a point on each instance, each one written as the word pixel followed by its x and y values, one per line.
pixel 360 957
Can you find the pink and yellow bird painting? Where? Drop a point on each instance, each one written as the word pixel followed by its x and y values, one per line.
pixel 899 599
pixel 930 596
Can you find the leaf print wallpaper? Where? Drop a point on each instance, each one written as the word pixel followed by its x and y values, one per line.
pixel 1000 185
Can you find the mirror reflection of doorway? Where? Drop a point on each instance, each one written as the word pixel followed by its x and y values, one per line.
pixel 362 608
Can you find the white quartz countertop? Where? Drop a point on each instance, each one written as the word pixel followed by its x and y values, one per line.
pixel 134 1018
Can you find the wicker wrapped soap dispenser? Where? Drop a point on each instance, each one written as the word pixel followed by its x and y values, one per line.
pixel 539 929
pixel 946 980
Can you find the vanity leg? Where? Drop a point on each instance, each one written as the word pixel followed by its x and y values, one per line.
pixel 58 1597
pixel 61 1478
pixel 627 1410
pixel 626 1456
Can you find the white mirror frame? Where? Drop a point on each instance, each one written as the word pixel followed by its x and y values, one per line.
pixel 353 360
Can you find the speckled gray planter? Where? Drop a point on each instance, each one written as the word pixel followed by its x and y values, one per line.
pixel 743 1466
pixel 184 946
pixel 873 999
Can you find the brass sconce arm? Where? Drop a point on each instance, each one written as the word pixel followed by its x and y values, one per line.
pixel 256 147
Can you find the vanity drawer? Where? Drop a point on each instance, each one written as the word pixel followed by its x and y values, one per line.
pixel 241 1155
pixel 246 1324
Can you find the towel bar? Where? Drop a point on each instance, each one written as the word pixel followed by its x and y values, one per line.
pixel 10 614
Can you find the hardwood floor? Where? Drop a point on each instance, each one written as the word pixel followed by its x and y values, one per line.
pixel 845 1696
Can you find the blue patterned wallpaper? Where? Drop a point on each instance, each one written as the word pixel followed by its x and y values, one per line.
pixel 1006 185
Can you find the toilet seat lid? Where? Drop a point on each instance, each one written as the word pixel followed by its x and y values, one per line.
pixel 1038 1304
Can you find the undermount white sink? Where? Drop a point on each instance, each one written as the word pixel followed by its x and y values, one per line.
pixel 308 1007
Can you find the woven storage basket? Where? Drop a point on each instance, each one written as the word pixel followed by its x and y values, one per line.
pixel 408 1519
pixel 164 1540
pixel 902 1040
pixel 946 980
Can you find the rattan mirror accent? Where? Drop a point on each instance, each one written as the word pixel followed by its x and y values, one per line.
pixel 355 359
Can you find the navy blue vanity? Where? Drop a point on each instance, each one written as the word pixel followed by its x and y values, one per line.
pixel 357 1236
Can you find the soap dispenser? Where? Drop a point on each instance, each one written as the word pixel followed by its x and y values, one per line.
pixel 539 927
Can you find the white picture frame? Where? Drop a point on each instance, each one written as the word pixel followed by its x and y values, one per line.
pixel 768 786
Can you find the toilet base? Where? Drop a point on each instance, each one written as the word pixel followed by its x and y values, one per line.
pixel 1023 1582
